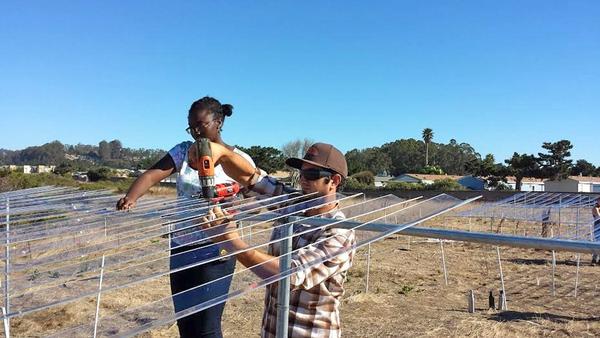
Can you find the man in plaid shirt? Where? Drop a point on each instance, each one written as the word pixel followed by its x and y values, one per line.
pixel 316 290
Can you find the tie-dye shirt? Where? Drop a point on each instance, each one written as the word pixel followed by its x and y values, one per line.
pixel 188 185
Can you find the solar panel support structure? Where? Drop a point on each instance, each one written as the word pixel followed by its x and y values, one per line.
pixel 283 293
pixel 444 262
pixel 368 268
pixel 503 304
pixel 577 274
pixel 6 307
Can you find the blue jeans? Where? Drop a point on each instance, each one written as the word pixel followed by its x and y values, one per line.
pixel 206 323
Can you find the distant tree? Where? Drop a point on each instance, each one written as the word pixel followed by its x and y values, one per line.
pixel 487 168
pixel 149 160
pixel 453 157
pixel 365 177
pixel 378 161
pixel 583 168
pixel 555 163
pixel 267 158
pixel 432 170
pixel 405 156
pixel 296 148
pixel 404 186
pixel 49 153
pixel 63 169
pixel 521 166
pixel 372 159
pixel 352 184
pixel 427 137
pixel 102 173
pixel 356 160
pixel 104 150
pixel 115 149
pixel 446 184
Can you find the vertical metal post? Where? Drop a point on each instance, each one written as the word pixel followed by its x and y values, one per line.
pixel 515 202
pixel 6 308
pixel 283 294
pixel 471 302
pixel 559 218
pixel 6 325
pixel 444 262
pixel 98 299
pixel 368 268
pixel 503 304
pixel 553 273
pixel 577 220
pixel 100 286
pixel 577 275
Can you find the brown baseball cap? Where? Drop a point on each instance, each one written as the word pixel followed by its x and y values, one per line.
pixel 322 155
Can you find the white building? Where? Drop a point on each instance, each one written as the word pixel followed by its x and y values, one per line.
pixel 40 169
pixel 574 184
pixel 527 184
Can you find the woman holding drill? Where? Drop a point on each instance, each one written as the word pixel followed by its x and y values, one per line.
pixel 205 120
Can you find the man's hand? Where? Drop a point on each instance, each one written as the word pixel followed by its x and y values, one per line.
pixel 125 203
pixel 216 223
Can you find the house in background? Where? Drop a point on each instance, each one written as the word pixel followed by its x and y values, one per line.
pixel 43 169
pixel 527 184
pixel 574 184
pixel 381 181
pixel 423 178
pixel 473 183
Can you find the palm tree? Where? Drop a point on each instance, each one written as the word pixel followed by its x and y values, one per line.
pixel 427 137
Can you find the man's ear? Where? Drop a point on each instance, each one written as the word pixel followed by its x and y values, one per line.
pixel 336 179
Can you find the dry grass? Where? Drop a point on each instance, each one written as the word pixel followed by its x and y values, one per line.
pixel 407 296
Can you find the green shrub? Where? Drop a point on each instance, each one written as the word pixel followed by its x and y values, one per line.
pixel 17 180
pixel 404 186
pixel 432 170
pixel 102 173
pixel 353 184
pixel 445 184
pixel 365 177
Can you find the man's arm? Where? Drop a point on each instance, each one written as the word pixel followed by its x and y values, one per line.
pixel 262 264
pixel 336 252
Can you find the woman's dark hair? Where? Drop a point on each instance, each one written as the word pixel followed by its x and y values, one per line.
pixel 213 106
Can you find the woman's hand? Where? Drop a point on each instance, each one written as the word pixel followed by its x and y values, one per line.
pixel 216 223
pixel 125 203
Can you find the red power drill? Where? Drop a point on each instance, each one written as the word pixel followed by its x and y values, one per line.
pixel 206 174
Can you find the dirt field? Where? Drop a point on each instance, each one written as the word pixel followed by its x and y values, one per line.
pixel 408 298
pixel 407 295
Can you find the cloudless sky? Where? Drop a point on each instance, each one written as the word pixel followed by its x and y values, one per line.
pixel 503 76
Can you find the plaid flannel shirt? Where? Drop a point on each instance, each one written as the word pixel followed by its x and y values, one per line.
pixel 317 290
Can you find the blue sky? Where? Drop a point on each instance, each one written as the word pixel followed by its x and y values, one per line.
pixel 503 76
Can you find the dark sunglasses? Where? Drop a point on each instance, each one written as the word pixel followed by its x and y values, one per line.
pixel 315 174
